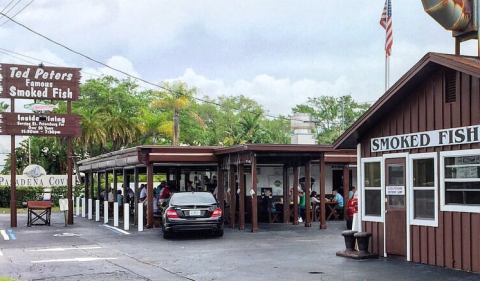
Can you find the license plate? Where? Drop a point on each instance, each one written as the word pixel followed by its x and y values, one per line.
pixel 194 212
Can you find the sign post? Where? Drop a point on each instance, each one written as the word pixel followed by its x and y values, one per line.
pixel 39 83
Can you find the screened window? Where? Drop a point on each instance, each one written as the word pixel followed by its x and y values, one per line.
pixel 373 188
pixel 462 180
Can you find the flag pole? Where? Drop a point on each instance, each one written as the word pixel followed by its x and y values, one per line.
pixel 386 71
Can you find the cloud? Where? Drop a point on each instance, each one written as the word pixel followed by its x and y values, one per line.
pixel 277 95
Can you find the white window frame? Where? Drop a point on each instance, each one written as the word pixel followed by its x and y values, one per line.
pixel 425 222
pixel 381 217
pixel 452 207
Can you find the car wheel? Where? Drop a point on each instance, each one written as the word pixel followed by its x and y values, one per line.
pixel 167 235
pixel 219 233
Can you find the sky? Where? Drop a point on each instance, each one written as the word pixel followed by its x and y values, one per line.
pixel 276 52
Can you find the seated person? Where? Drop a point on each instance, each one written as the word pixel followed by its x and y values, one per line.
pixel 339 200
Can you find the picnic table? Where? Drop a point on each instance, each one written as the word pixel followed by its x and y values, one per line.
pixel 39 211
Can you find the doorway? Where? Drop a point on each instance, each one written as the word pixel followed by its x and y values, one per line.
pixel 395 211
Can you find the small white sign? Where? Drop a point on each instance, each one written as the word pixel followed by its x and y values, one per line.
pixel 394 190
pixel 63 204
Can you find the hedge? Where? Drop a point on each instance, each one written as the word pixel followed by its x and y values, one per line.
pixel 26 193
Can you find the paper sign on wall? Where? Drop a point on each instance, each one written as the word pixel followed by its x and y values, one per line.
pixel 395 190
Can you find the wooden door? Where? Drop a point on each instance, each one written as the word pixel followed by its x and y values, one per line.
pixel 395 212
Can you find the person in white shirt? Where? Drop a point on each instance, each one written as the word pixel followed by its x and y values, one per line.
pixel 143 193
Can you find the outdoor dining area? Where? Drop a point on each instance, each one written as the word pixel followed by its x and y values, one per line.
pixel 252 182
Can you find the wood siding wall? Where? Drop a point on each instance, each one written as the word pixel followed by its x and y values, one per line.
pixel 455 242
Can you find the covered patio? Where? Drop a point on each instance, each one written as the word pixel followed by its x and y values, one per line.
pixel 243 173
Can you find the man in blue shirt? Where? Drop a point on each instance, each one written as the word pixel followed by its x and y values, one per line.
pixel 338 198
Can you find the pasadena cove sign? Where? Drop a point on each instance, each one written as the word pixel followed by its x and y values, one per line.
pixel 453 136
pixel 42 181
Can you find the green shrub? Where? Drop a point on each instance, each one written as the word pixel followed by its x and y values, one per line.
pixel 26 193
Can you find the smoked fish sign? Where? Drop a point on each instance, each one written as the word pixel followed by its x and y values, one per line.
pixel 39 82
pixel 452 136
pixel 35 124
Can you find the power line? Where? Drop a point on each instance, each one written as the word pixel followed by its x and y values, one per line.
pixel 11 8
pixel 126 73
pixel 18 12
pixel 4 8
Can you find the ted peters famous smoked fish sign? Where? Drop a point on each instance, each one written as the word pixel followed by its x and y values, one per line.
pixel 39 82
pixel 35 124
pixel 453 136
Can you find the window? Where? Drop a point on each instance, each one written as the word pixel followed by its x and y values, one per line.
pixel 372 183
pixel 461 181
pixel 423 202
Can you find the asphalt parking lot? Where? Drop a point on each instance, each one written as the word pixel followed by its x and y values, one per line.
pixel 91 251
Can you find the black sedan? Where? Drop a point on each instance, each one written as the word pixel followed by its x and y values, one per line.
pixel 192 211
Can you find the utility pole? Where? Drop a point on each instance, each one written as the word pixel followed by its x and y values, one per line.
pixel 176 127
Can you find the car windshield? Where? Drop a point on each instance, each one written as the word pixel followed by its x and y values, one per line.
pixel 192 198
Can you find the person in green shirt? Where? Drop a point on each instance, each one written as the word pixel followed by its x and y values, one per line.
pixel 301 205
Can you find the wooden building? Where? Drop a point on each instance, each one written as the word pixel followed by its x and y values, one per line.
pixel 418 149
pixel 244 170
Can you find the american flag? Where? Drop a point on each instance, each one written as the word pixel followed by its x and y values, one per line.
pixel 386 22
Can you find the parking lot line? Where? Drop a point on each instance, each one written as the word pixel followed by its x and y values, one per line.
pixel 4 234
pixel 65 249
pixel 116 229
pixel 87 259
pixel 11 234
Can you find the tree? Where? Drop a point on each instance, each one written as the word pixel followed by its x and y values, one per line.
pixel 332 115
pixel 3 106
pixel 176 98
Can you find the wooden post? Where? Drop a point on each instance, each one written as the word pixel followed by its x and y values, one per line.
pixel 295 195
pixel 124 184
pixel 13 175
pixel 308 186
pixel 136 192
pixel 457 45
pixel 286 196
pixel 254 194
pixel 323 224
pixel 187 178
pixel 178 176
pixel 99 185
pixel 221 188
pixel 233 195
pixel 346 187
pixel 241 199
pixel 149 195
pixel 115 184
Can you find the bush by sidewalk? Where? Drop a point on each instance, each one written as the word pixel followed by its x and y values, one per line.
pixel 26 193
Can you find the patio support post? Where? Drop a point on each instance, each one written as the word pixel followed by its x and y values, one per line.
pixel 233 195
pixel 178 176
pixel 286 197
pixel 99 185
pixel 221 188
pixel 253 194
pixel 241 199
pixel 346 188
pixel 308 186
pixel 323 224
pixel 136 192
pixel 187 178
pixel 125 183
pixel 149 195
pixel 115 183
pixel 106 204
pixel 295 195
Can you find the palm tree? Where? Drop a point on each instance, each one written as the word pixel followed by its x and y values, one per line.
pixel 3 106
pixel 176 98
pixel 93 130
pixel 250 127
